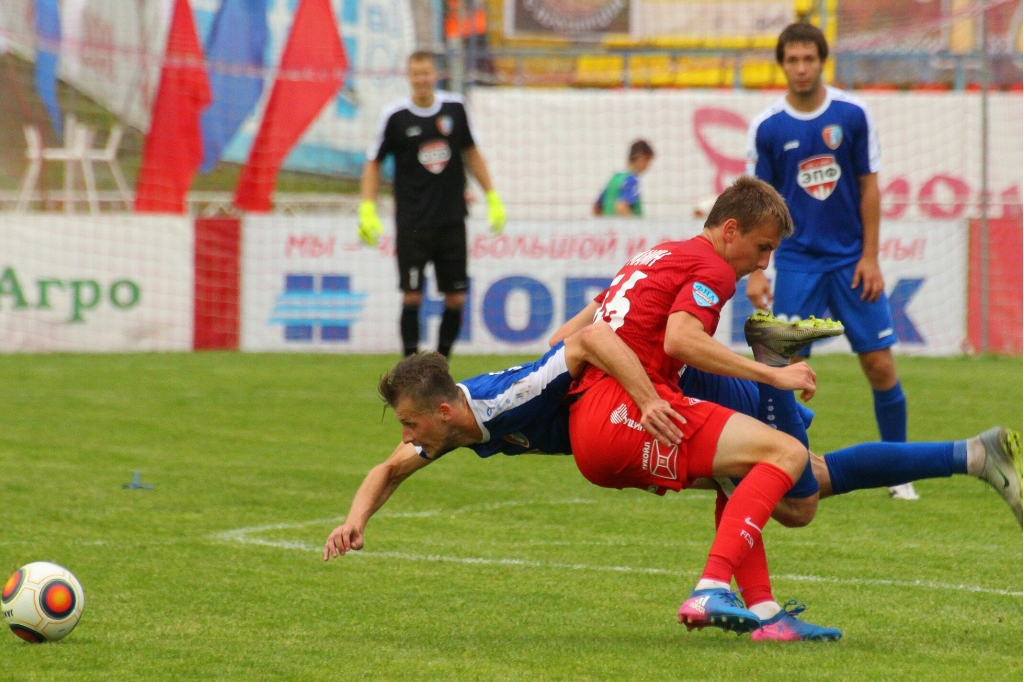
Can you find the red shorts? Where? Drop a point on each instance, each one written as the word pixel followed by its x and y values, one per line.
pixel 613 451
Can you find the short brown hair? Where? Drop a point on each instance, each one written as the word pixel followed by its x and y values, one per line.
pixel 423 377
pixel 801 33
pixel 640 148
pixel 752 203
pixel 421 56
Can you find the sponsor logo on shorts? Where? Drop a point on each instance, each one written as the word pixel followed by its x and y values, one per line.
pixel 703 295
pixel 885 332
pixel 620 415
pixel 662 463
pixel 792 144
pixel 833 136
pixel 435 155
pixel 818 175
pixel 445 125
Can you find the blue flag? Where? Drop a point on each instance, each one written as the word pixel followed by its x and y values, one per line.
pixel 234 58
pixel 47 55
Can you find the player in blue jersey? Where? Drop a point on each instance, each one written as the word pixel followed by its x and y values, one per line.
pixel 516 411
pixel 818 146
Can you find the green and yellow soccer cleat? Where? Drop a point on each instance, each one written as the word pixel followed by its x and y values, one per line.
pixel 1003 467
pixel 774 341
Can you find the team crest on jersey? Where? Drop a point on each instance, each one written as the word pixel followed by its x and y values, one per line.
pixel 435 155
pixel 703 295
pixel 833 136
pixel 819 175
pixel 412 131
pixel 517 439
pixel 445 125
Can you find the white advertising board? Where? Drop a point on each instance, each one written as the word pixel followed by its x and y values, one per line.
pixel 111 283
pixel 308 285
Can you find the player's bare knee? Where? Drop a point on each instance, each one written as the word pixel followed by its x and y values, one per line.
pixel 796 512
pixel 412 298
pixel 879 368
pixel 457 300
pixel 788 454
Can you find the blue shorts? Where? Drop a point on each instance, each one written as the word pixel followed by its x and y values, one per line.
pixel 802 294
pixel 743 396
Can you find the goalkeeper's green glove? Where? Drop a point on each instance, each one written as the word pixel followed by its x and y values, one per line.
pixel 495 212
pixel 369 224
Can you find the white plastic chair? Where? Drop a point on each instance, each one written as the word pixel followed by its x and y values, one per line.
pixel 77 152
pixel 108 155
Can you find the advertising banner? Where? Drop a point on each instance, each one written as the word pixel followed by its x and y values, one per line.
pixel 111 283
pixel 308 285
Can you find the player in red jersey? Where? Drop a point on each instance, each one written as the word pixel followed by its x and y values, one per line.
pixel 665 304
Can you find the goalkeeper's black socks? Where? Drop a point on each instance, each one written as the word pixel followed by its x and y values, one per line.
pixel 410 329
pixel 451 323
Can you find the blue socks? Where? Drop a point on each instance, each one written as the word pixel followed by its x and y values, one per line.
pixel 882 465
pixel 891 414
pixel 780 410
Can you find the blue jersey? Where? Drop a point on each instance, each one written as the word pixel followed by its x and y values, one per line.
pixel 522 409
pixel 815 160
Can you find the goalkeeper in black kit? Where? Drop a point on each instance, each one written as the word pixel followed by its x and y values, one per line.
pixel 433 143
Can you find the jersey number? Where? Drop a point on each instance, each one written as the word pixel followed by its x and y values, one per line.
pixel 615 305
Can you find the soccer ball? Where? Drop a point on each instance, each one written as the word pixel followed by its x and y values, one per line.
pixel 42 602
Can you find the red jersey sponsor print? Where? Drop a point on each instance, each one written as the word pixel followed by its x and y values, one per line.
pixel 672 277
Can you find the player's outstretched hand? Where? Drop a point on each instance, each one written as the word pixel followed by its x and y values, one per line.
pixel 657 420
pixel 495 212
pixel 798 377
pixel 759 290
pixel 370 227
pixel 344 538
pixel 869 273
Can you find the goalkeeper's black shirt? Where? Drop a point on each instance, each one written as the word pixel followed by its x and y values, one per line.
pixel 430 180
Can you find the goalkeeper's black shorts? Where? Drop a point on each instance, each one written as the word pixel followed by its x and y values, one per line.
pixel 443 245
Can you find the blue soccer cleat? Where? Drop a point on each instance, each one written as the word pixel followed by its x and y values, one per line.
pixel 785 627
pixel 717 608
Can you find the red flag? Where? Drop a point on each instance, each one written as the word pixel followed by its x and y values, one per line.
pixel 311 71
pixel 174 146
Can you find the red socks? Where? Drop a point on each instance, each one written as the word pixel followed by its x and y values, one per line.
pixel 752 575
pixel 744 516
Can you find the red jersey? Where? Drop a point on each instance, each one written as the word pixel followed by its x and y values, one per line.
pixel 674 276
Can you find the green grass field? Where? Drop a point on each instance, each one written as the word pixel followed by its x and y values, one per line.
pixel 506 569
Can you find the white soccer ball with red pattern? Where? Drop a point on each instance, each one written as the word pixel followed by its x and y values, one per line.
pixel 42 602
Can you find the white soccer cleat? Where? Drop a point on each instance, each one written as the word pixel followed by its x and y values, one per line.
pixel 904 492
pixel 1003 466
pixel 774 342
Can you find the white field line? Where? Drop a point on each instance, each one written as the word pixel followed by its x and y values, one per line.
pixel 247 536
